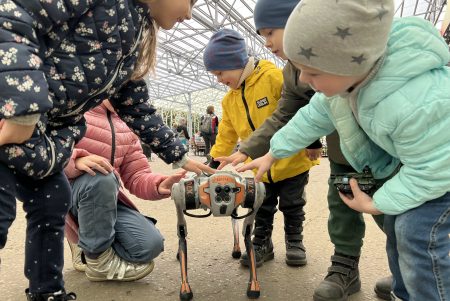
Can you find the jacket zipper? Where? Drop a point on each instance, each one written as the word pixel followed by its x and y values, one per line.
pixel 113 138
pixel 92 95
pixel 52 148
pixel 111 81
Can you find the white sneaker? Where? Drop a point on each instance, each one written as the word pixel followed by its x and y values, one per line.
pixel 76 257
pixel 109 266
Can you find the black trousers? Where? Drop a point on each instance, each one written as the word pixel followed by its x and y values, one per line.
pixel 288 194
pixel 46 203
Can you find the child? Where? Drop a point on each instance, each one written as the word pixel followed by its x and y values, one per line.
pixel 255 88
pixel 58 60
pixel 346 227
pixel 113 235
pixel 378 81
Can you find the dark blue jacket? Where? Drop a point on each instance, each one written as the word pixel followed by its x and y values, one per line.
pixel 62 58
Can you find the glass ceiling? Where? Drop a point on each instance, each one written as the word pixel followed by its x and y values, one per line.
pixel 180 80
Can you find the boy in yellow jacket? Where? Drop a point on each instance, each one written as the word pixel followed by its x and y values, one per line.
pixel 255 88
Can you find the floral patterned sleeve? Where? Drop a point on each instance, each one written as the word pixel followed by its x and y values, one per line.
pixel 133 106
pixel 24 89
pixel 23 85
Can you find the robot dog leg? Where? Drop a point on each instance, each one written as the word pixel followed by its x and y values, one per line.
pixel 236 254
pixel 185 291
pixel 253 288
pixel 221 193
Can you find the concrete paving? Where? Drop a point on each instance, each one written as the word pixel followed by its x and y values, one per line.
pixel 213 274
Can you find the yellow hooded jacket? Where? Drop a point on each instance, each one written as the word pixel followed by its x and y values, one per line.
pixel 246 108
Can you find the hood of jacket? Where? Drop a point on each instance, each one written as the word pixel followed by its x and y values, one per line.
pixel 407 35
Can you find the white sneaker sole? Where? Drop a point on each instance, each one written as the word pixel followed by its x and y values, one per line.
pixel 95 277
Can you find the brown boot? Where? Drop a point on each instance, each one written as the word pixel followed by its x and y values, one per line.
pixel 341 281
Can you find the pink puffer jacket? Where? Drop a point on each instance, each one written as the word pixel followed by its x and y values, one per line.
pixel 130 163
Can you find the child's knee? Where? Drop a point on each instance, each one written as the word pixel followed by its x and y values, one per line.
pixel 154 245
pixel 105 184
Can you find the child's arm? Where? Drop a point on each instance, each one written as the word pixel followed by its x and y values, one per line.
pixel 132 105
pixel 24 88
pixel 23 84
pixel 309 123
pixel 139 179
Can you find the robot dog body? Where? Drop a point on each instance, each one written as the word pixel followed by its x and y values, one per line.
pixel 221 193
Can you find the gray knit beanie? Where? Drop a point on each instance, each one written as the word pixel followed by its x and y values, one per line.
pixel 341 37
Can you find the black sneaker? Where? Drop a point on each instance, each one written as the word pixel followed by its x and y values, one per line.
pixel 262 254
pixel 56 296
pixel 341 281
pixel 295 253
pixel 383 288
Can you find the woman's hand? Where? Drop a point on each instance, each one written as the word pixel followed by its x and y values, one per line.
pixel 165 186
pixel 263 164
pixel 11 132
pixel 197 167
pixel 234 159
pixel 93 162
pixel 361 201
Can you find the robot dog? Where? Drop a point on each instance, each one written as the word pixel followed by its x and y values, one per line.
pixel 221 193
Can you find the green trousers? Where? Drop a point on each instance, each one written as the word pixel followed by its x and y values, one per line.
pixel 346 226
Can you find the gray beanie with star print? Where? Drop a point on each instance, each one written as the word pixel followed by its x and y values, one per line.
pixel 341 37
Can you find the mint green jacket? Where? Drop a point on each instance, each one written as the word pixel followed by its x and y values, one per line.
pixel 403 115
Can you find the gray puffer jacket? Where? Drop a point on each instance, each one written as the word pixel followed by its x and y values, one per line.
pixel 60 58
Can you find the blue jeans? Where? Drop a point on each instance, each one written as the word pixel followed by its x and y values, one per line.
pixel 104 222
pixel 418 248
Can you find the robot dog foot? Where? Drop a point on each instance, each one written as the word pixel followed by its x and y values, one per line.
pixel 186 292
pixel 253 289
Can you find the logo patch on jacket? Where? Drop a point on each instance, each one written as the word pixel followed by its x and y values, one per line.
pixel 262 102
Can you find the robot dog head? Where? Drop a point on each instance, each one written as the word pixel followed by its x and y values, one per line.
pixel 221 193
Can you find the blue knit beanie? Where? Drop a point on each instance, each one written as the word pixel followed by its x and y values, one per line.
pixel 273 13
pixel 226 50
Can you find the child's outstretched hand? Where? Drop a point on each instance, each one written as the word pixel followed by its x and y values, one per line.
pixel 263 164
pixel 361 201
pixel 198 167
pixel 234 159
pixel 166 185
pixel 93 162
